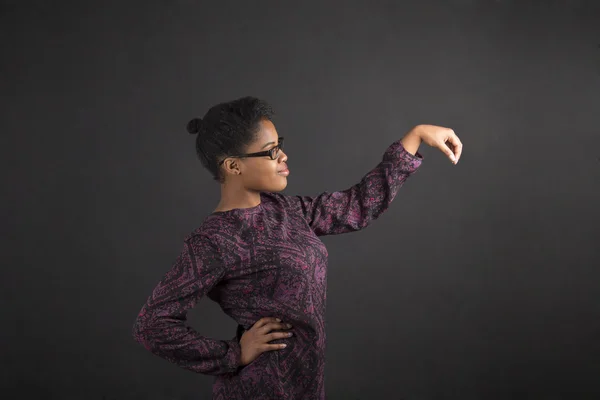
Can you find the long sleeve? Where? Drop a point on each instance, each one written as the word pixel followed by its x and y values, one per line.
pixel 354 208
pixel 161 324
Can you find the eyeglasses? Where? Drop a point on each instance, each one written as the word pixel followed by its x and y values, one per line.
pixel 273 152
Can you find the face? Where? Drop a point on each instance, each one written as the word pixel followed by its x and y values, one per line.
pixel 260 173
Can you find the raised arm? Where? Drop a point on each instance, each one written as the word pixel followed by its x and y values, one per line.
pixel 354 208
pixel 161 324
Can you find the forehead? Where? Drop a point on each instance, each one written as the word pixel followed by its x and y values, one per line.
pixel 267 133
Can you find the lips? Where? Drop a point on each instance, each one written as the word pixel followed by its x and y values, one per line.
pixel 285 171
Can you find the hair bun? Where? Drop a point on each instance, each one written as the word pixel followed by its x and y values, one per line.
pixel 194 125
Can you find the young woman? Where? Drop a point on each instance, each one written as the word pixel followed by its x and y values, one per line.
pixel 259 256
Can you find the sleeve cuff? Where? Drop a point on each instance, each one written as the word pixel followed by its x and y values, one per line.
pixel 417 156
pixel 234 355
pixel 398 154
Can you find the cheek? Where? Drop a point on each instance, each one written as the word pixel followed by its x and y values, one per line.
pixel 263 174
pixel 269 169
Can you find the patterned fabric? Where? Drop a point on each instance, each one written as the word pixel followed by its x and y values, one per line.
pixel 265 261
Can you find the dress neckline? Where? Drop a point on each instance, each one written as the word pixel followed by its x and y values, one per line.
pixel 242 211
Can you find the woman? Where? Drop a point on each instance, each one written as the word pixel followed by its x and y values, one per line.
pixel 259 256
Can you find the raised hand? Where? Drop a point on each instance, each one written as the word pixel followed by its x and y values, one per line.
pixel 443 138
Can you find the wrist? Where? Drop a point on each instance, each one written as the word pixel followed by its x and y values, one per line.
pixel 411 141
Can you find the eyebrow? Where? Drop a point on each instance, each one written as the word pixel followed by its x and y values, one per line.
pixel 268 144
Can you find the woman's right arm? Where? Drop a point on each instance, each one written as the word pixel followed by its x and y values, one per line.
pixel 161 324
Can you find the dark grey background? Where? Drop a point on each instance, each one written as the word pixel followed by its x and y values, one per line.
pixel 482 280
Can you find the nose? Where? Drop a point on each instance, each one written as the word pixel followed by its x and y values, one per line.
pixel 282 156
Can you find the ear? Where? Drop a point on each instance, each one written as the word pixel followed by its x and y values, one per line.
pixel 232 166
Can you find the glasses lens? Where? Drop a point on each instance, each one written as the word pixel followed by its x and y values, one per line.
pixel 274 152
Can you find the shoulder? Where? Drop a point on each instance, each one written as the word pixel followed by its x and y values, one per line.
pixel 291 205
pixel 211 233
pixel 199 241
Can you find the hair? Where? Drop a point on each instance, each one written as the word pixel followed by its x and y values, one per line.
pixel 226 129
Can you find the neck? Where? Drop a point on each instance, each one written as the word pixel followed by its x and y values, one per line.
pixel 234 196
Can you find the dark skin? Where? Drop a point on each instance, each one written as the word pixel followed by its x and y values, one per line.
pixel 245 178
pixel 255 340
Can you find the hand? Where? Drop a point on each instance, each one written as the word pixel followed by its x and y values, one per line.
pixel 254 341
pixel 443 138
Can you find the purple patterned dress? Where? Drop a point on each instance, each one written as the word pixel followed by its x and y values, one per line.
pixel 265 261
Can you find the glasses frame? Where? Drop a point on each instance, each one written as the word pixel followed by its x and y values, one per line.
pixel 271 152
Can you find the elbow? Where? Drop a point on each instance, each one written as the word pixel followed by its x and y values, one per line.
pixel 139 333
pixel 136 332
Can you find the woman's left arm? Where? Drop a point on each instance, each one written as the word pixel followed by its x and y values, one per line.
pixel 355 208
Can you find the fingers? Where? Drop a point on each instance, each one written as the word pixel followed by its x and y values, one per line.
pixel 447 151
pixel 268 347
pixel 274 336
pixel 456 144
pixel 263 321
pixel 278 335
pixel 272 326
pixel 263 333
pixel 267 337
pixel 451 146
pixel 255 341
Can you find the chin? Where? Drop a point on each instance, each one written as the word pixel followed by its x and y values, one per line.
pixel 279 187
